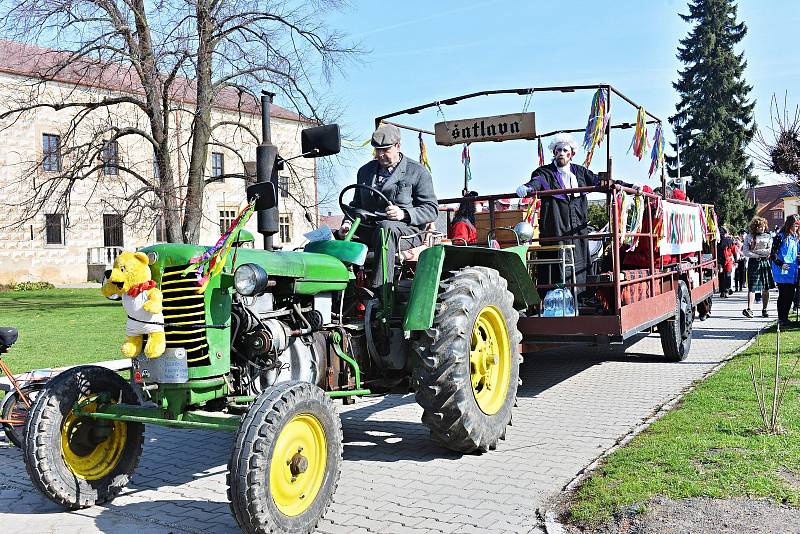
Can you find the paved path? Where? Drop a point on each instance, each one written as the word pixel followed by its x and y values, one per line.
pixel 573 405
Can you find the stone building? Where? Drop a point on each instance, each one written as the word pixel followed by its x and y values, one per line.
pixel 62 246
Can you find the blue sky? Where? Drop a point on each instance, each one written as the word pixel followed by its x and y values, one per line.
pixel 421 51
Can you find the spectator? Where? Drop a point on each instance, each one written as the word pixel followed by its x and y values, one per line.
pixel 462 229
pixel 741 264
pixel 784 266
pixel 757 246
pixel 725 253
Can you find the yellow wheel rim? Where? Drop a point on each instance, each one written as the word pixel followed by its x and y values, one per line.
pixel 298 464
pixel 490 360
pixel 92 448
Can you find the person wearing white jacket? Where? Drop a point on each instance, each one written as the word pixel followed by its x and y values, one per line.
pixel 757 247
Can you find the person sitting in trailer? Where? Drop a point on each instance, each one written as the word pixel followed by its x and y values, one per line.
pixel 565 214
pixel 462 229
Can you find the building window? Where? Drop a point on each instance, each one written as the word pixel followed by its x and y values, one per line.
pixel 110 157
pixel 112 230
pixel 226 217
pixel 283 186
pixel 285 228
pixel 51 151
pixel 54 228
pixel 161 230
pixel 217 165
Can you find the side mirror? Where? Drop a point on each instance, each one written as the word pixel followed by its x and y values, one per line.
pixel 321 141
pixel 267 195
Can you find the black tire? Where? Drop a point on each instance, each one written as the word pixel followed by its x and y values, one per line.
pixel 447 391
pixel 250 468
pixel 676 333
pixel 45 457
pixel 14 408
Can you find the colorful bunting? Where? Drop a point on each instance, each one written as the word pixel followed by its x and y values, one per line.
pixel 657 154
pixel 640 142
pixel 423 153
pixel 465 161
pixel 211 262
pixel 541 153
pixel 596 125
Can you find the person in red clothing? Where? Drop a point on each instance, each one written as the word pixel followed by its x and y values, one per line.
pixel 462 229
pixel 639 258
pixel 725 259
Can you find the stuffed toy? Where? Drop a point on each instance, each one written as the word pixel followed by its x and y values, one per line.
pixel 130 280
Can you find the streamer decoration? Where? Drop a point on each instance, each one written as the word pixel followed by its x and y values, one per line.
pixel 211 262
pixel 465 160
pixel 657 154
pixel 640 141
pixel 596 125
pixel 423 153
pixel 540 149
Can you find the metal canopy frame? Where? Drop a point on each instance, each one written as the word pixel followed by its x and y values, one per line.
pixel 525 91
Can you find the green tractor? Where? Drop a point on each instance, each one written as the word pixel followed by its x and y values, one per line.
pixel 271 341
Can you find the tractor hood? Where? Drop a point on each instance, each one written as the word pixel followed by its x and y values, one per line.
pixel 312 272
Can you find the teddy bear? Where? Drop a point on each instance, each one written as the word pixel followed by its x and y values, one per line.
pixel 130 279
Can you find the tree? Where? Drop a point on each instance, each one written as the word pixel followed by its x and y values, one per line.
pixel 171 57
pixel 598 215
pixel 713 122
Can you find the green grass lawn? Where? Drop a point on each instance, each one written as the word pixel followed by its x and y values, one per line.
pixel 709 446
pixel 59 327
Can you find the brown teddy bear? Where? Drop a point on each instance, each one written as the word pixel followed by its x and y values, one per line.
pixel 130 279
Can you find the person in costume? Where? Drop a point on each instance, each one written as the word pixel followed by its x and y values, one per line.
pixel 408 186
pixel 565 214
pixel 462 229
pixel 757 247
pixel 784 257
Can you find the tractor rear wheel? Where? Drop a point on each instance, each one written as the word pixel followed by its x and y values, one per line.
pixel 79 461
pixel 286 460
pixel 470 361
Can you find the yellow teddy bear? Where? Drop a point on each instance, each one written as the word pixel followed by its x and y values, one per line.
pixel 130 279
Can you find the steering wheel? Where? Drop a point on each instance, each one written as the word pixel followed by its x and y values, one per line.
pixel 365 215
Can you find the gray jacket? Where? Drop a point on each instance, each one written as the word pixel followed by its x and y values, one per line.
pixel 409 187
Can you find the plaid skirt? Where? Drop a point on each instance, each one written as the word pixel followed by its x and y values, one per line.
pixel 759 275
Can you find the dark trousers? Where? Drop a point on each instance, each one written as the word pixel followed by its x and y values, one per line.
pixel 724 282
pixel 391 230
pixel 741 269
pixel 785 299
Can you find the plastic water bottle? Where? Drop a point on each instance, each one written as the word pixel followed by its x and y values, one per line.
pixel 559 302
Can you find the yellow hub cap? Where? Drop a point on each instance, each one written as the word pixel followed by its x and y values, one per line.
pixel 298 464
pixel 92 448
pixel 490 360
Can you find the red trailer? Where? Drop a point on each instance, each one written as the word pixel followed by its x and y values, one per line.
pixel 663 291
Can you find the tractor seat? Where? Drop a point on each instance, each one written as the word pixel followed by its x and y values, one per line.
pixel 348 252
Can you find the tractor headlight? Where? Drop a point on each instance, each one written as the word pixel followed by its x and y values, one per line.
pixel 250 279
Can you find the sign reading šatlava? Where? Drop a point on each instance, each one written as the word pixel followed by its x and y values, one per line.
pixel 499 128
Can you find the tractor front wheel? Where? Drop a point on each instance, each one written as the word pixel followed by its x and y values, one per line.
pixel 77 460
pixel 470 361
pixel 286 460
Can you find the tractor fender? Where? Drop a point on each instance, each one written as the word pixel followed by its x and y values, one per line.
pixel 434 261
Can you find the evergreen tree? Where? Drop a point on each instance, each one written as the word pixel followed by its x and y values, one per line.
pixel 714 120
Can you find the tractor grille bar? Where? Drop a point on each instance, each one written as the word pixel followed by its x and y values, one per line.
pixel 184 307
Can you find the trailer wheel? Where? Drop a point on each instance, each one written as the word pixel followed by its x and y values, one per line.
pixel 78 461
pixel 14 410
pixel 286 460
pixel 470 361
pixel 676 333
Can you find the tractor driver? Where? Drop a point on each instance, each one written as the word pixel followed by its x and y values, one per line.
pixel 409 188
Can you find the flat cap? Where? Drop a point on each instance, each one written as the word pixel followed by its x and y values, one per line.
pixel 385 136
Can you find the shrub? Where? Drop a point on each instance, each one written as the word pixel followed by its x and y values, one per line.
pixel 31 286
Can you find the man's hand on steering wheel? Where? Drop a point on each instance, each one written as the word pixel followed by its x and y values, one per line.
pixel 368 218
pixel 395 213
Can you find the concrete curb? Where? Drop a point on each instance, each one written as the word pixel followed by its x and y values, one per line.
pixel 114 365
pixel 548 516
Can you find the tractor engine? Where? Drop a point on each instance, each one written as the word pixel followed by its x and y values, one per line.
pixel 272 343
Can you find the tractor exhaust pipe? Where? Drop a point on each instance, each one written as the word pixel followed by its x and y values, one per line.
pixel 267 171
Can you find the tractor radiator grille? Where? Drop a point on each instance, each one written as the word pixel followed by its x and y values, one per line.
pixel 183 308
